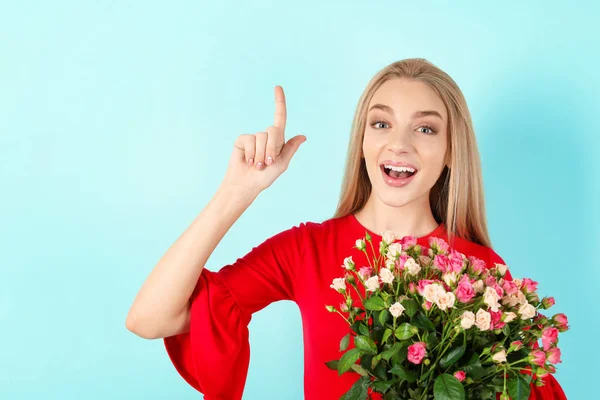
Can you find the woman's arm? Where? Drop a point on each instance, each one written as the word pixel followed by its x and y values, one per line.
pixel 161 308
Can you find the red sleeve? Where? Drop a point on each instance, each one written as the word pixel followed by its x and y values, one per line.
pixel 551 389
pixel 213 357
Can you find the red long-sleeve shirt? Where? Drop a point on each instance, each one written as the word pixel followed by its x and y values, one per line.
pixel 297 264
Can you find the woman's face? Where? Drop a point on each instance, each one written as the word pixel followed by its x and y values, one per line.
pixel 406 122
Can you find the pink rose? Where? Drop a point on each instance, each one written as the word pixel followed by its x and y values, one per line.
pixel 553 355
pixel 549 337
pixel 477 265
pixel 412 288
pixel 529 286
pixel 548 302
pixel 516 345
pixel 408 241
pixel 460 375
pixel 442 263
pixel 537 357
pixel 365 272
pixel 510 288
pixel 401 260
pixel 561 322
pixel 457 261
pixel 496 322
pixel 465 290
pixel 490 280
pixel 416 352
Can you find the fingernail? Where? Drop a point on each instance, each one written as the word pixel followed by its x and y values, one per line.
pixel 259 165
pixel 269 160
pixel 250 161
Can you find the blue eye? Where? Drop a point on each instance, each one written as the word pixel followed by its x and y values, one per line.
pixel 428 127
pixel 378 122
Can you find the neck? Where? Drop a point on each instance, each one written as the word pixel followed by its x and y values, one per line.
pixel 414 218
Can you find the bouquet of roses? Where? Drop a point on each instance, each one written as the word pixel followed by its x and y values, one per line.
pixel 435 324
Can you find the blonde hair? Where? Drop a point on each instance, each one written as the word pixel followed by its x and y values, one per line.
pixel 457 198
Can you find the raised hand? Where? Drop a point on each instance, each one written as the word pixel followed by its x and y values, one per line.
pixel 259 159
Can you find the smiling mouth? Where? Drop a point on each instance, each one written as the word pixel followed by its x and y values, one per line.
pixel 397 175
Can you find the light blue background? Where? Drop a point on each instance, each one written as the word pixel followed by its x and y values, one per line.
pixel 116 125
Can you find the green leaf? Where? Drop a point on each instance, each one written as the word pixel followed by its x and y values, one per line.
pixel 432 340
pixel 422 322
pixel 358 391
pixel 365 343
pixel 333 364
pixel 345 342
pixel 383 386
pixel 386 335
pixel 360 370
pixel 447 387
pixel 410 307
pixel 348 359
pixel 364 329
pixel 518 387
pixel 389 353
pixel 406 331
pixel 374 303
pixel 452 356
pixel 403 373
pixel 383 316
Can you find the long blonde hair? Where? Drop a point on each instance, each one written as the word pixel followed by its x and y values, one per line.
pixel 457 198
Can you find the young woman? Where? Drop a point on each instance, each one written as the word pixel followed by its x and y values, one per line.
pixel 413 167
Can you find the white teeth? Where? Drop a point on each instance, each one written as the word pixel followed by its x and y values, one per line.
pixel 399 169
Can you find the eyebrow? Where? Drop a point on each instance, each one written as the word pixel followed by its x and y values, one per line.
pixel 416 114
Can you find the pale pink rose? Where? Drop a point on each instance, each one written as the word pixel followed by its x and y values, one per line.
pixel 460 375
pixel 372 284
pixel 396 309
pixel 537 357
pixel 390 264
pixel 529 286
pixel 483 319
pixel 433 291
pixel 479 286
pixel 500 356
pixel 465 290
pixel 501 268
pixel 422 284
pixel 521 298
pixel 365 272
pixel 416 352
pixel 467 319
pixel 408 241
pixel 394 250
pixel 386 275
pixel 554 355
pixel 450 279
pixel 438 243
pixel 549 337
pixel 509 316
pixel 510 288
pixel 388 237
pixel 344 307
pixel 348 263
pixel 510 301
pixel 490 297
pixel 412 267
pixel 360 244
pixel 446 301
pixel 527 311
pixel 339 284
pixel 441 262
pixel 518 282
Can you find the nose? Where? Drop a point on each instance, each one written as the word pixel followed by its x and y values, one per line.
pixel 400 141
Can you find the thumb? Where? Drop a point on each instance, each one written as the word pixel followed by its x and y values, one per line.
pixel 290 148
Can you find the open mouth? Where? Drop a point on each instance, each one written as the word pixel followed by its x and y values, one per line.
pixel 398 172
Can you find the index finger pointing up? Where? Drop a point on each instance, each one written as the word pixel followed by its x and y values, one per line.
pixel 280 109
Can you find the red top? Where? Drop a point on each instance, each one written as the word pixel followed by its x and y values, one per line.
pixel 297 264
